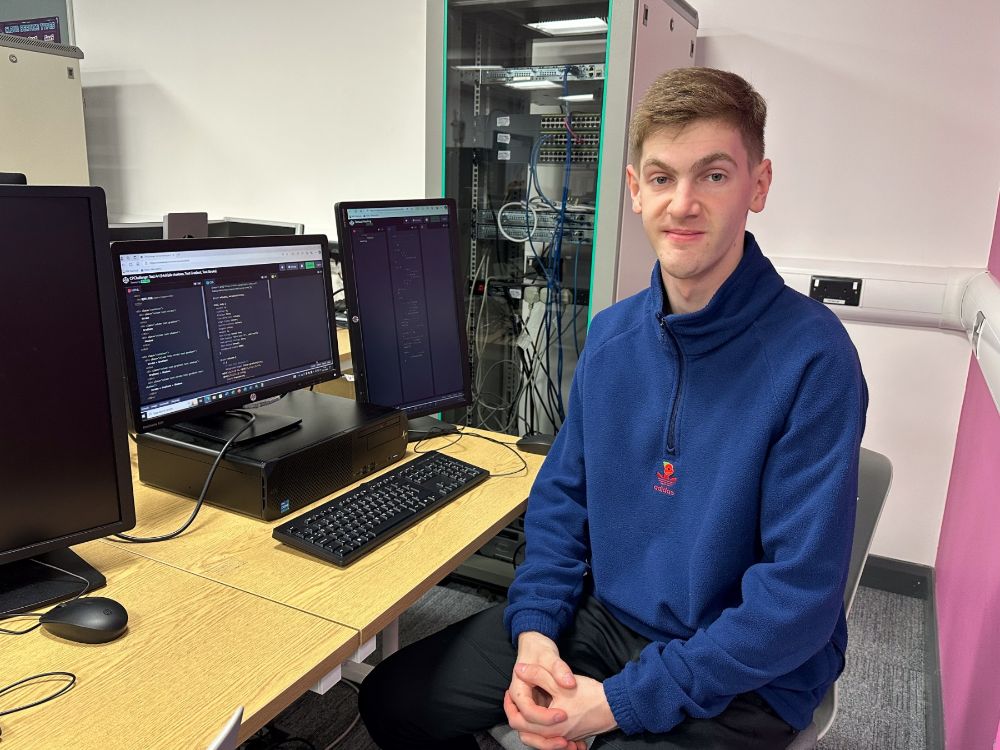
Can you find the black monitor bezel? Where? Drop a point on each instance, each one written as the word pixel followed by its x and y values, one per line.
pixel 127 247
pixel 110 331
pixel 358 352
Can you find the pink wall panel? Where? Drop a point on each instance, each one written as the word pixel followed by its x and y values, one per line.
pixel 968 577
pixel 967 571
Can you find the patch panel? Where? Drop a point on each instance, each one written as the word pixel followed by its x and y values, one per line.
pixel 559 139
pixel 578 121
pixel 585 155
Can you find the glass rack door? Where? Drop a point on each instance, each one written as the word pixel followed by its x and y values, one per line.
pixel 523 96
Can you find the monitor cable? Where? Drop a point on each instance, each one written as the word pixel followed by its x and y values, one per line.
pixel 518 551
pixel 60 691
pixel 523 468
pixel 289 742
pixel 204 490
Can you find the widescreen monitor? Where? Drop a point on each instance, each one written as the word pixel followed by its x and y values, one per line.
pixel 64 458
pixel 211 325
pixel 225 227
pixel 230 226
pixel 405 305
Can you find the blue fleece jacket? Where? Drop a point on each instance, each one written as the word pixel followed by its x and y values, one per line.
pixel 706 478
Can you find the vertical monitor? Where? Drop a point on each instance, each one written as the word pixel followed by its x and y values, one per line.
pixel 214 324
pixel 65 462
pixel 405 301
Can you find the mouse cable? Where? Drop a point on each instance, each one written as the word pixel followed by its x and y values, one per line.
pixel 350 728
pixel 60 691
pixel 204 490
pixel 11 614
pixel 461 433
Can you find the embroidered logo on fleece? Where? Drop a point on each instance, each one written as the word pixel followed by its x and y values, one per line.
pixel 665 479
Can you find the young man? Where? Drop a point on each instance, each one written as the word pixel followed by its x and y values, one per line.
pixel 689 534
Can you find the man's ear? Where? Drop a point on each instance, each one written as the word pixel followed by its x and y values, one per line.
pixel 633 188
pixel 762 184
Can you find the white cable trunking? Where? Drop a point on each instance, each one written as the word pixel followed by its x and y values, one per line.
pixel 950 298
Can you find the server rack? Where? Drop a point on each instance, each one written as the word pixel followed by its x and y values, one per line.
pixel 527 130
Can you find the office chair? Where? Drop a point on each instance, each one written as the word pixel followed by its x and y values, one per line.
pixel 874 478
pixel 226 739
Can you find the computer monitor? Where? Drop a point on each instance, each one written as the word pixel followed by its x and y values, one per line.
pixel 13 178
pixel 65 475
pixel 230 226
pixel 136 230
pixel 211 325
pixel 225 227
pixel 405 306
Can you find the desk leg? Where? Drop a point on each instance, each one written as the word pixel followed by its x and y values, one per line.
pixel 327 681
pixel 353 669
pixel 362 653
pixel 390 638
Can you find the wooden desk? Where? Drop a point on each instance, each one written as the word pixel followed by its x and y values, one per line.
pixel 343 344
pixel 193 652
pixel 343 386
pixel 372 592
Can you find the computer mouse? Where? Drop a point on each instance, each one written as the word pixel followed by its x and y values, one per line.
pixel 538 442
pixel 92 619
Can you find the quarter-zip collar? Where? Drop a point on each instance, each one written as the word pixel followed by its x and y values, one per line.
pixel 750 289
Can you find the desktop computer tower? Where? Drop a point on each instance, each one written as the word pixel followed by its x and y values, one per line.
pixel 338 442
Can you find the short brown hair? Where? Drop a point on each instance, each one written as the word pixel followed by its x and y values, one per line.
pixel 680 97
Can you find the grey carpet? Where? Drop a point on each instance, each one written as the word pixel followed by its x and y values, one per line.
pixel 882 691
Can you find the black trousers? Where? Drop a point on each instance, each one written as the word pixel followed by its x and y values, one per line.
pixel 437 692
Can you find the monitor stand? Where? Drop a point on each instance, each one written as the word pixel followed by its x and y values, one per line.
pixel 423 428
pixel 220 427
pixel 25 585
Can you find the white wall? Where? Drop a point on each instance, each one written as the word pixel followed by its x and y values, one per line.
pixel 883 132
pixel 252 109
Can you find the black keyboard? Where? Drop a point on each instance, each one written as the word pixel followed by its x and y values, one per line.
pixel 343 529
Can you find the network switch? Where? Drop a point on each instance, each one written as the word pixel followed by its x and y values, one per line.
pixel 554 73
pixel 541 234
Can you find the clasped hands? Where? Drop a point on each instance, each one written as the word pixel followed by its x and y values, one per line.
pixel 548 706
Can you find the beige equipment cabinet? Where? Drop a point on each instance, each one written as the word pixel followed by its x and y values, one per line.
pixel 41 115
